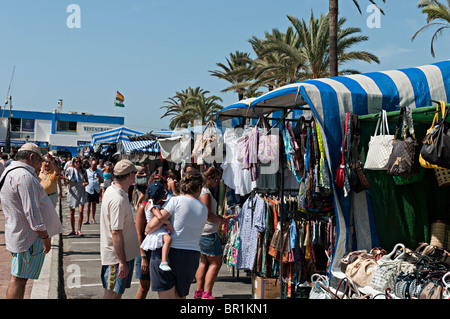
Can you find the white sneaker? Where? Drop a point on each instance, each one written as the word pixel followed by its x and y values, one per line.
pixel 165 267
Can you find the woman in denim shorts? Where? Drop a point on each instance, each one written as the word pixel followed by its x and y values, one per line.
pixel 210 245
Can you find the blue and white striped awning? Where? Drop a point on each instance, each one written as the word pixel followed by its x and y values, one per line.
pixel 143 146
pixel 114 135
pixel 240 108
pixel 330 99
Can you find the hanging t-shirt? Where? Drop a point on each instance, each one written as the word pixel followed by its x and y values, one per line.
pixel 233 175
pixel 250 225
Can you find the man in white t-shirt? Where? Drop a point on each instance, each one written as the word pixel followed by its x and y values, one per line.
pixel 119 244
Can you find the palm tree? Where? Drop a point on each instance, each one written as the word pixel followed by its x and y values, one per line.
pixel 308 51
pixel 271 69
pixel 236 72
pixel 175 106
pixel 189 106
pixel 203 109
pixel 334 19
pixel 435 11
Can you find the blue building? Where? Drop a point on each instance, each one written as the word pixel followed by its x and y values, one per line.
pixel 63 132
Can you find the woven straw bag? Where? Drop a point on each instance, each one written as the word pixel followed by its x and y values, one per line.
pixel 438 234
pixel 442 177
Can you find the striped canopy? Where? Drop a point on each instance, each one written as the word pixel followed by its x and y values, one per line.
pixel 329 99
pixel 238 109
pixel 113 136
pixel 143 146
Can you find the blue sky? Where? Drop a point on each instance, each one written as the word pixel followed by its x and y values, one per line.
pixel 149 49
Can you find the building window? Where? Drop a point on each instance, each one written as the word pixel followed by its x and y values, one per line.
pixel 22 129
pixel 16 125
pixel 66 126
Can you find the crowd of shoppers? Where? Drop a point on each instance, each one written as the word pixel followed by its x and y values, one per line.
pixel 173 241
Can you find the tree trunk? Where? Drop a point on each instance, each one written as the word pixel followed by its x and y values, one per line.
pixel 333 14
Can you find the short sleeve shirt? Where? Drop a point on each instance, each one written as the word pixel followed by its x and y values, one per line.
pixel 116 214
pixel 188 218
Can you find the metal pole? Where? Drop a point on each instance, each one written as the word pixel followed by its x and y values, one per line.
pixel 282 210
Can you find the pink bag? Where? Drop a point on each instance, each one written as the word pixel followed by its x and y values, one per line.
pixel 268 146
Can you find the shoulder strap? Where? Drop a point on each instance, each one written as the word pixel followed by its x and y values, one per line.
pixel 4 176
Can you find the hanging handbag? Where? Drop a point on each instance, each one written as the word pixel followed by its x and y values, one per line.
pixel 360 183
pixel 268 145
pixel 402 159
pixel 339 176
pixel 380 145
pixel 436 144
pixel 423 162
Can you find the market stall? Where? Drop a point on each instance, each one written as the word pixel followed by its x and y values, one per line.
pixel 112 140
pixel 330 101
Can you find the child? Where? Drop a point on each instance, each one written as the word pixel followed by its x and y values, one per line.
pixel 159 238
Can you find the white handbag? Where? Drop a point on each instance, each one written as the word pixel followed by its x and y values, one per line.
pixel 446 294
pixel 317 292
pixel 380 145
pixel 388 270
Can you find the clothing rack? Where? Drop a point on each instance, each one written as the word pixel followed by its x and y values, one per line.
pixel 283 120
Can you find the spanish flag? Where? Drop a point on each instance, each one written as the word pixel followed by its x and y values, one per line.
pixel 119 100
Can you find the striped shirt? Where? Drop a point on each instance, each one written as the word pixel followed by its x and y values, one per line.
pixel 27 208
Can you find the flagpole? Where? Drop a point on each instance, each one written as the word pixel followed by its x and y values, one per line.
pixel 114 108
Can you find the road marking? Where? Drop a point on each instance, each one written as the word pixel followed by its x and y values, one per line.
pixel 100 284
pixel 85 242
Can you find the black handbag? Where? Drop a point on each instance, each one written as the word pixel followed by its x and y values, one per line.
pixel 436 144
pixel 402 159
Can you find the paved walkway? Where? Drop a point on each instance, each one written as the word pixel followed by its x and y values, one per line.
pixel 80 265
pixel 5 263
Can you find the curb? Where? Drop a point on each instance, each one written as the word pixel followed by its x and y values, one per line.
pixel 48 286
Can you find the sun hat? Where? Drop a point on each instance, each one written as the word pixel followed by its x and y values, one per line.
pixel 31 147
pixel 124 167
pixel 156 191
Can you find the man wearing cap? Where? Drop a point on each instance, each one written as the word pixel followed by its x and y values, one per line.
pixel 119 244
pixel 30 218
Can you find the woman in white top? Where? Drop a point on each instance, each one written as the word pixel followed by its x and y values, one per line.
pixel 187 215
pixel 210 245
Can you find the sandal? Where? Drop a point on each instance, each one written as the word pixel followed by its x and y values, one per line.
pixel 207 295
pixel 80 234
pixel 198 294
pixel 71 233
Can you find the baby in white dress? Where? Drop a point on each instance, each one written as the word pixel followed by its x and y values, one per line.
pixel 160 237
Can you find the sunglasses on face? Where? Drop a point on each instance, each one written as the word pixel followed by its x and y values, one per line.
pixel 77 162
